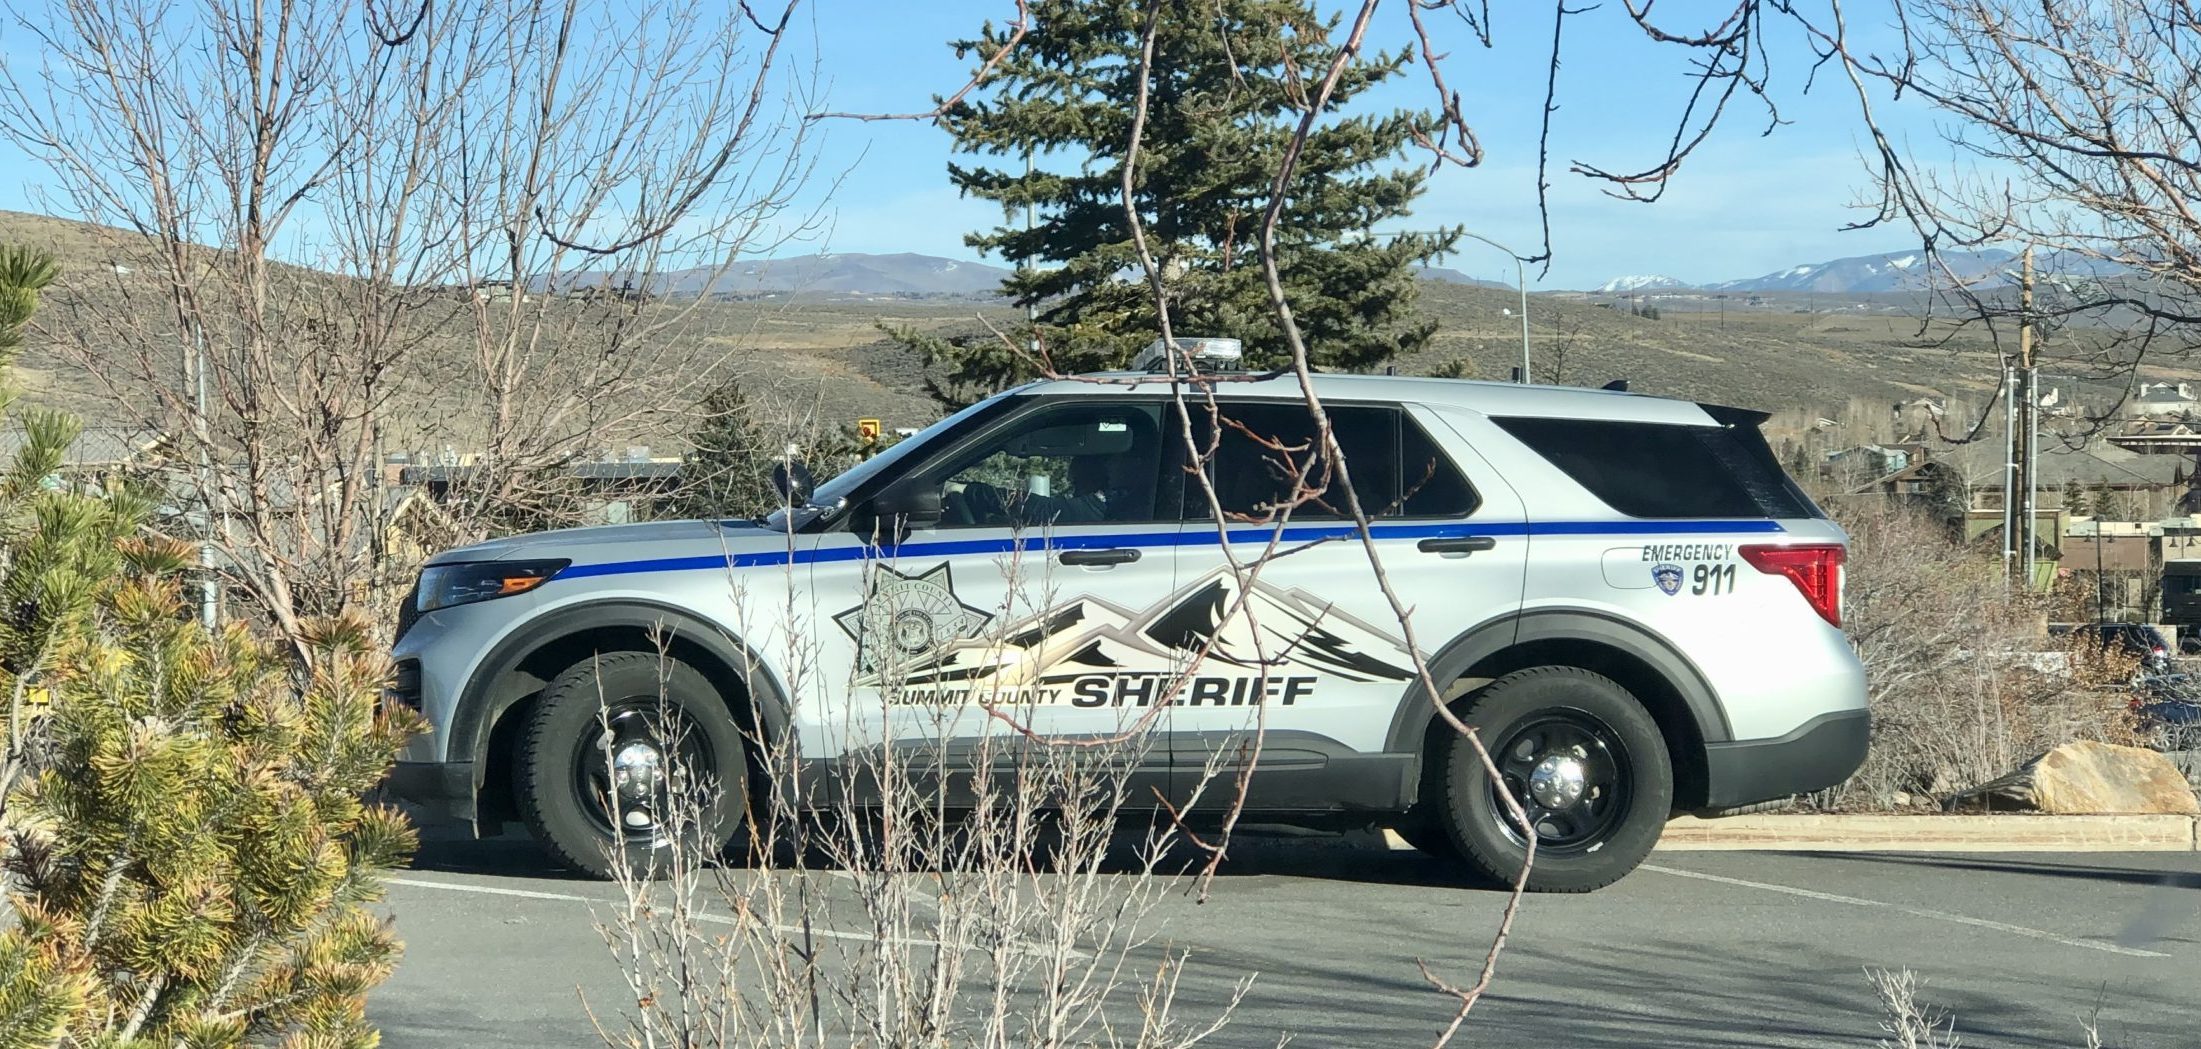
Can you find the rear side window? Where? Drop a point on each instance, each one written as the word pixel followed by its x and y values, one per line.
pixel 1663 470
pixel 1398 471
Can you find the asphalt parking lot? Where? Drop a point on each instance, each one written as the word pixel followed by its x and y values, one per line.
pixel 1695 949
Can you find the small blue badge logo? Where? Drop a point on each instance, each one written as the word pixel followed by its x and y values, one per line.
pixel 1668 578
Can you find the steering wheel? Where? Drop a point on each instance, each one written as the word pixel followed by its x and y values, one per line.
pixel 957 509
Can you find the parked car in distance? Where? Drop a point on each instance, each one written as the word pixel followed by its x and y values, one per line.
pixel 2137 640
pixel 2168 708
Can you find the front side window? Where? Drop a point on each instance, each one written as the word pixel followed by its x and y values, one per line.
pixel 1063 465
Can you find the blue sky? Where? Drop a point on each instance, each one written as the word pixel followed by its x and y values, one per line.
pixel 1744 205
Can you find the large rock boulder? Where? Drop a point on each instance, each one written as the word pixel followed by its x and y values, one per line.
pixel 2086 778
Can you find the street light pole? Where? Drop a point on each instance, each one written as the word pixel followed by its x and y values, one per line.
pixel 1520 281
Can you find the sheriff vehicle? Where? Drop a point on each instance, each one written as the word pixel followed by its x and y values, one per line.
pixel 1633 605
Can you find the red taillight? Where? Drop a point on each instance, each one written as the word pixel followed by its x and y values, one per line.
pixel 1816 571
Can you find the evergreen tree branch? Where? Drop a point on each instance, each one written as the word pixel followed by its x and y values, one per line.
pixel 143 1010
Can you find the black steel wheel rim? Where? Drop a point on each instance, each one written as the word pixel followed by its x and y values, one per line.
pixel 684 766
pixel 1558 741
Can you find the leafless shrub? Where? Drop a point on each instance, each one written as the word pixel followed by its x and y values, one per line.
pixel 354 230
pixel 1913 1024
pixel 1964 682
pixel 986 898
pixel 1910 1024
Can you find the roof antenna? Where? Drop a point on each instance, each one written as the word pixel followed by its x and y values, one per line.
pixel 1618 385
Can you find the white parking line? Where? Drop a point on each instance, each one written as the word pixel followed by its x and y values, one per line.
pixel 716 919
pixel 1916 912
pixel 492 890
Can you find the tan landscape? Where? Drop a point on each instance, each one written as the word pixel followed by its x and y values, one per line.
pixel 827 358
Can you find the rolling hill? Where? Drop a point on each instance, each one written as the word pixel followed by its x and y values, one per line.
pixel 812 352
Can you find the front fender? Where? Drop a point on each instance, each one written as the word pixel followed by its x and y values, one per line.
pixel 482 701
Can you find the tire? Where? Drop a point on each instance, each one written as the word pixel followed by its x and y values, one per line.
pixel 1561 720
pixel 609 705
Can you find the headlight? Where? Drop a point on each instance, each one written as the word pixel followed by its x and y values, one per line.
pixel 442 586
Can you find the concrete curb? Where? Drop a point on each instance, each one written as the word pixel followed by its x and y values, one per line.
pixel 1935 833
pixel 1806 832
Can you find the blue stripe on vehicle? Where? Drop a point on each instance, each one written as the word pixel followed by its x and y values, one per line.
pixel 1149 540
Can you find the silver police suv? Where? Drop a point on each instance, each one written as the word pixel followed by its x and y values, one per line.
pixel 1625 595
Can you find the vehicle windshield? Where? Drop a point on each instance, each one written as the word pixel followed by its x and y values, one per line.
pixel 833 494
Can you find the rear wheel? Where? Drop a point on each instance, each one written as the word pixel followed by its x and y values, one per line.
pixel 1584 761
pixel 632 753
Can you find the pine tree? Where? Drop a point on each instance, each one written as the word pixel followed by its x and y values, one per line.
pixel 1458 367
pixel 187 852
pixel 2076 502
pixel 194 861
pixel 727 471
pixel 56 547
pixel 1226 81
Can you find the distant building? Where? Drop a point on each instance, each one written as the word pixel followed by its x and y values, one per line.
pixel 2162 400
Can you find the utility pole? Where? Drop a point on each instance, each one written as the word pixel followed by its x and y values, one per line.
pixel 2029 451
pixel 2009 468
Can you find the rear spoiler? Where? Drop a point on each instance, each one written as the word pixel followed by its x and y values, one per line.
pixel 1726 416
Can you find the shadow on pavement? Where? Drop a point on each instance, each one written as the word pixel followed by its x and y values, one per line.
pixel 1344 858
pixel 509 855
pixel 1622 995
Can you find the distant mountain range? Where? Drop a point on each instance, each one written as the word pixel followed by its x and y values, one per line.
pixel 857 273
pixel 1447 275
pixel 911 274
pixel 832 273
pixel 1894 271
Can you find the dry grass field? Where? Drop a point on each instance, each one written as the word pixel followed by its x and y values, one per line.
pixel 826 359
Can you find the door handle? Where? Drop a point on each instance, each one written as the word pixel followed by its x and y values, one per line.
pixel 1099 557
pixel 1466 544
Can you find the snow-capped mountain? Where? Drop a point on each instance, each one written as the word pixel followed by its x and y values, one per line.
pixel 1894 271
pixel 1639 282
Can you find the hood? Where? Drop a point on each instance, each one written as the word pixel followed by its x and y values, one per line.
pixel 606 542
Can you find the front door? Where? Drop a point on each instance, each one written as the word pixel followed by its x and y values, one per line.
pixel 1005 622
pixel 1305 646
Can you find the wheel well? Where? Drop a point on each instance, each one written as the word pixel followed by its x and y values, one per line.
pixel 1684 740
pixel 513 694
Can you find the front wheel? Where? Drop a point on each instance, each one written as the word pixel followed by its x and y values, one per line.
pixel 1584 761
pixel 627 757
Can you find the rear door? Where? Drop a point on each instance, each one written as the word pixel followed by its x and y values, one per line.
pixel 1299 638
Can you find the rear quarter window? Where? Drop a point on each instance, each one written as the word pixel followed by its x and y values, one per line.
pixel 1664 470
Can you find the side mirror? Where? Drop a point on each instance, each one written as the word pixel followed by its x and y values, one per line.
pixel 792 480
pixel 906 504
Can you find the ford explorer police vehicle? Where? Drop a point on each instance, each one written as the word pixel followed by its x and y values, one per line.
pixel 1633 605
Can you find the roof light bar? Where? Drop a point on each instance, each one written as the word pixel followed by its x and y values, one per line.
pixel 1211 354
